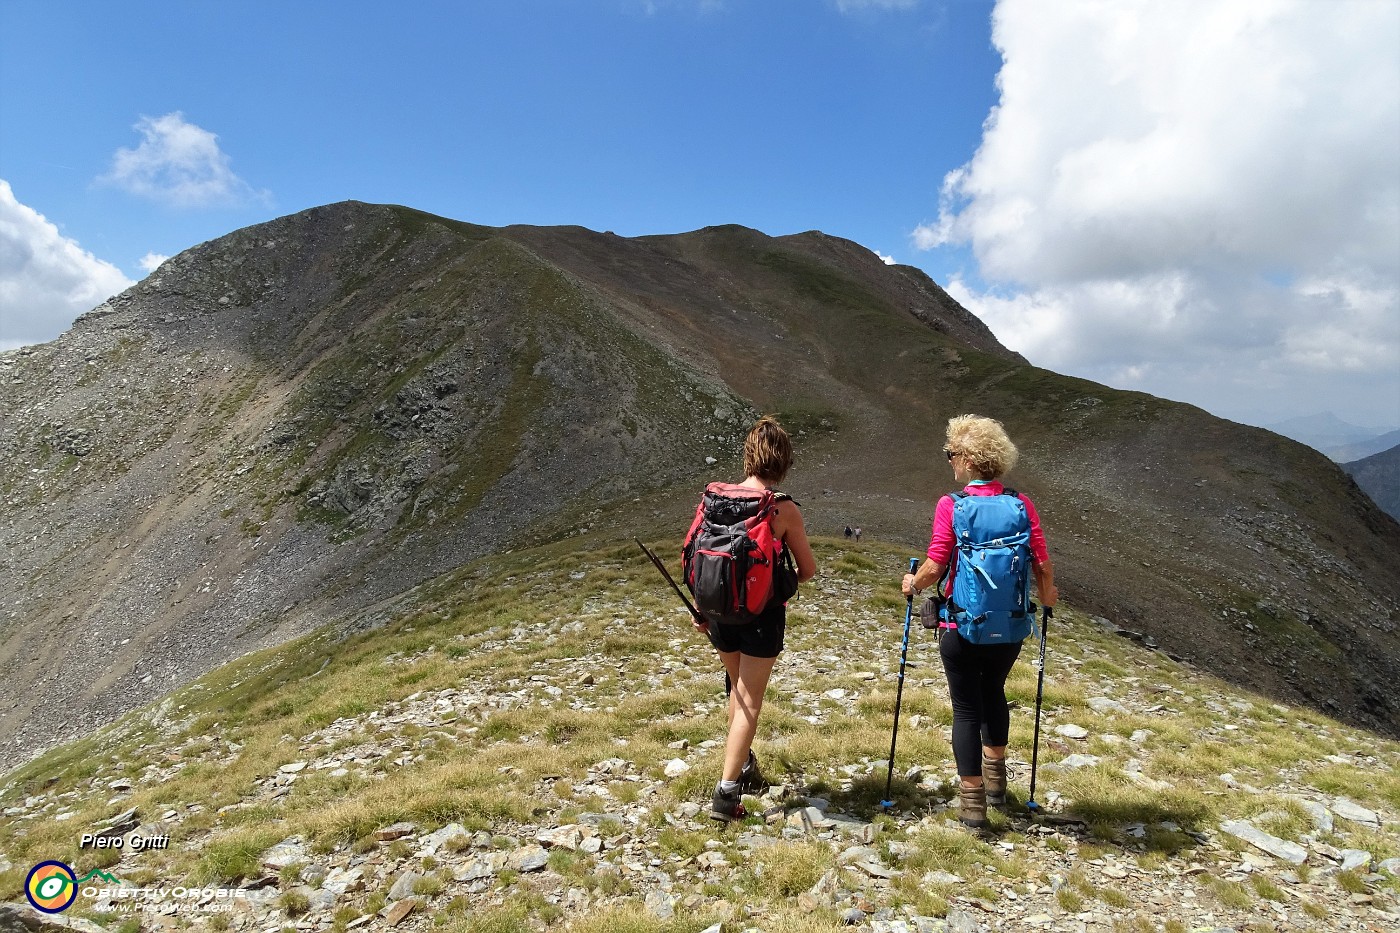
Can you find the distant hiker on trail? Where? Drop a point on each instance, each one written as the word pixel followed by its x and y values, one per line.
pixel 744 599
pixel 979 643
pixel 848 531
pixel 857 534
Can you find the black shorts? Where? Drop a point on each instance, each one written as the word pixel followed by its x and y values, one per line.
pixel 762 638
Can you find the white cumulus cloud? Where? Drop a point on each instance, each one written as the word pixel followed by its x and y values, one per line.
pixel 151 261
pixel 46 279
pixel 180 164
pixel 1200 199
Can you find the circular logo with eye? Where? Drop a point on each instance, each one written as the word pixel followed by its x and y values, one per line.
pixel 51 887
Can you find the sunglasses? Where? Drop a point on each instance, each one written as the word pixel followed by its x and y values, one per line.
pixel 950 454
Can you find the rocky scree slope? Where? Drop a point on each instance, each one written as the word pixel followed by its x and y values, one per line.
pixel 301 421
pixel 530 746
pixel 295 422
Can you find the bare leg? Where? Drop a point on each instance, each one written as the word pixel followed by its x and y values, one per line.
pixel 991 751
pixel 731 667
pixel 745 703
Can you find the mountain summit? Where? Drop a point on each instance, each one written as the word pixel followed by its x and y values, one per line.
pixel 300 422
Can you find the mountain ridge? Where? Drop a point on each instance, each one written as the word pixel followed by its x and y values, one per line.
pixel 296 424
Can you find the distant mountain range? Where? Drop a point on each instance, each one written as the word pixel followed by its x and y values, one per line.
pixel 1339 440
pixel 1379 476
pixel 1353 452
pixel 301 422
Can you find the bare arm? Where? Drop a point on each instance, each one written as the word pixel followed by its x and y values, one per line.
pixel 1045 583
pixel 794 534
pixel 927 575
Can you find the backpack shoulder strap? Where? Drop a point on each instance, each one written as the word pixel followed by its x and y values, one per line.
pixel 960 494
pixel 1008 491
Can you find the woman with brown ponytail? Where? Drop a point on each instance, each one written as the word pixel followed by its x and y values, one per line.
pixel 749 650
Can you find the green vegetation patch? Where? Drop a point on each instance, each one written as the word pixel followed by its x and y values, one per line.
pixel 633 683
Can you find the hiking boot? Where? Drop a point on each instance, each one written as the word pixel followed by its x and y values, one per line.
pixel 972 806
pixel 994 780
pixel 751 780
pixel 727 807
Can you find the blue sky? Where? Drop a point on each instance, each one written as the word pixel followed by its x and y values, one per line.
pixel 639 118
pixel 1131 214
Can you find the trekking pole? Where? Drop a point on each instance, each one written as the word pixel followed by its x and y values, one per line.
pixel 888 802
pixel 1039 693
pixel 694 613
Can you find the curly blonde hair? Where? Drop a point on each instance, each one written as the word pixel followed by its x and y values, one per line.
pixel 984 443
pixel 768 451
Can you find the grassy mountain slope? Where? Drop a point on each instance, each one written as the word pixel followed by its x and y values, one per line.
pixel 1218 540
pixel 300 422
pixel 542 694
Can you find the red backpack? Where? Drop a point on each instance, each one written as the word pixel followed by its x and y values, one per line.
pixel 730 555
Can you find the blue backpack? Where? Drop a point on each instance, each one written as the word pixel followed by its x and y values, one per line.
pixel 990 603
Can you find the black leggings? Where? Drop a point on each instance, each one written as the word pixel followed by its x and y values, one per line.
pixel 977 688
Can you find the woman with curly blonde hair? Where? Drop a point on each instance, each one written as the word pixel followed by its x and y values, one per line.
pixel 980 453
